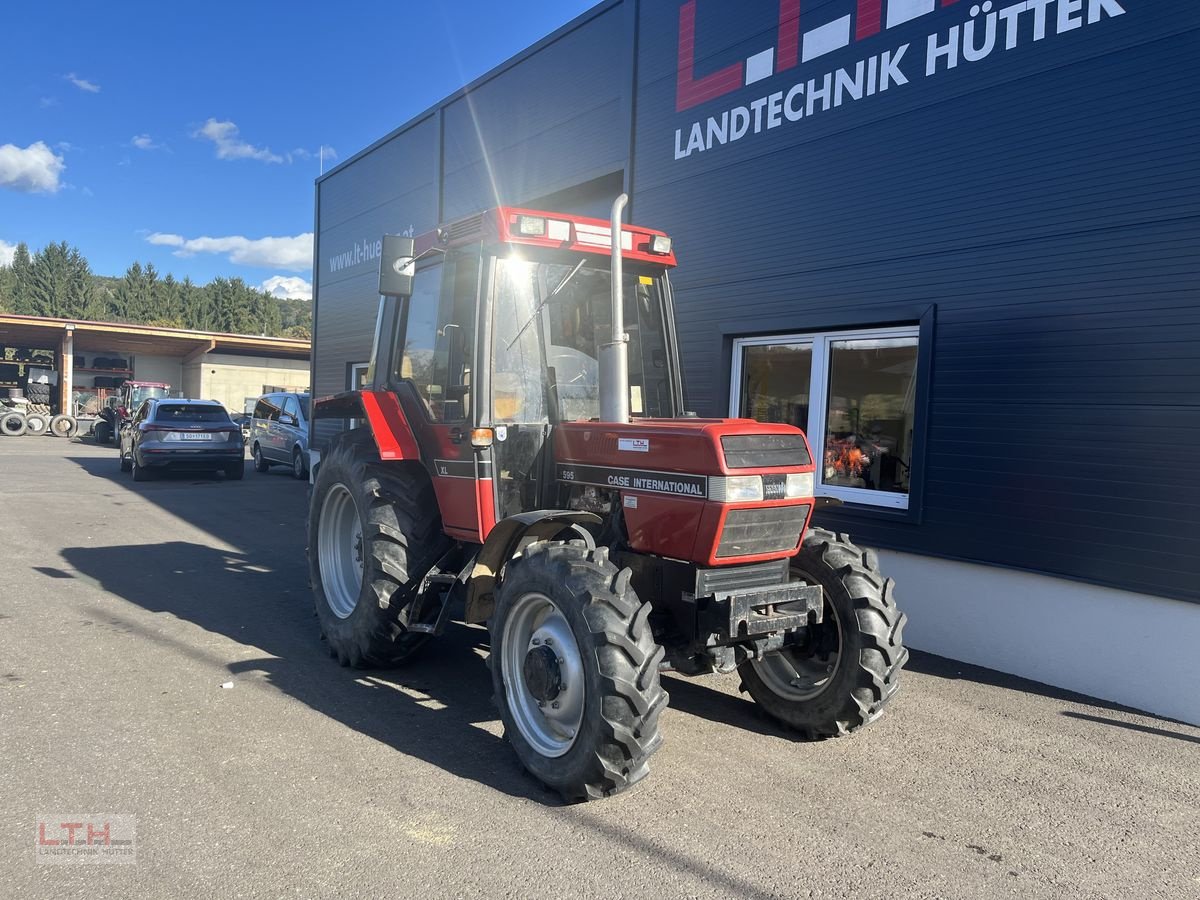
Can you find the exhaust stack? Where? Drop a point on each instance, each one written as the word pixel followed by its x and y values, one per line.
pixel 614 354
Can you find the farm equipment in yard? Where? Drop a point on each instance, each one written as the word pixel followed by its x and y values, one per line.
pixel 118 410
pixel 526 454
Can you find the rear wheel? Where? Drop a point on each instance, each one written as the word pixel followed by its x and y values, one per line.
pixel 103 432
pixel 374 533
pixel 260 462
pixel 848 667
pixel 236 471
pixel 575 670
pixel 126 461
pixel 12 423
pixel 140 473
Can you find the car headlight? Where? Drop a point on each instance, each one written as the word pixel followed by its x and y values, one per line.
pixel 735 488
pixel 799 484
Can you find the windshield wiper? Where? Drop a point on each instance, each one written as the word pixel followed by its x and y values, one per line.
pixel 554 293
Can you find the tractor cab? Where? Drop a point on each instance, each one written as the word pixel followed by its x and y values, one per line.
pixel 498 339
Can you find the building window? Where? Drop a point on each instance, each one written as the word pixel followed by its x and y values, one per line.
pixel 854 394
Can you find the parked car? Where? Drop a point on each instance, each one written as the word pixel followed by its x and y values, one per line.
pixel 279 432
pixel 192 435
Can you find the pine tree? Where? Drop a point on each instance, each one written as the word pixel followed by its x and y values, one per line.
pixel 22 269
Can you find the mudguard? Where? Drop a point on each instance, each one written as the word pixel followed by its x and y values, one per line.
pixel 506 539
pixel 381 410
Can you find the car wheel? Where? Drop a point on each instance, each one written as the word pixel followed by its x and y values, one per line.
pixel 260 464
pixel 299 470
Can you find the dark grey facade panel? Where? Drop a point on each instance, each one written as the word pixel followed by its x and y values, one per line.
pixel 1045 201
pixel 554 120
pixel 391 189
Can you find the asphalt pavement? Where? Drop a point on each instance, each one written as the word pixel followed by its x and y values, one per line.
pixel 159 659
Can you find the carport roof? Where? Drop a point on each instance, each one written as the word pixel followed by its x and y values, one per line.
pixel 43 333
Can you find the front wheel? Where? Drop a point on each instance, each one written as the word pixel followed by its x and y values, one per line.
pixel 298 469
pixel 848 667
pixel 575 671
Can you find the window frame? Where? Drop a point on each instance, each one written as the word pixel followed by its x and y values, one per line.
pixel 821 343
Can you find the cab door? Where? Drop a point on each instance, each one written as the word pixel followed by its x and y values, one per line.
pixel 433 363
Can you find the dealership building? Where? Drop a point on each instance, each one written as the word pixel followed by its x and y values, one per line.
pixel 958 243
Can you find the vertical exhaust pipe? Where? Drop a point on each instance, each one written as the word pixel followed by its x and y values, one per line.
pixel 614 354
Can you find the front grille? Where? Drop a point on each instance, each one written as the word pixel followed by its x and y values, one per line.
pixel 749 532
pixel 760 451
pixel 722 580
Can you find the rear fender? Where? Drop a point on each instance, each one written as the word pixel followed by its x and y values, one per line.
pixel 508 538
pixel 381 410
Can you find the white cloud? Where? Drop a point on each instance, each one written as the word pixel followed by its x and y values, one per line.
pixel 291 253
pixel 167 240
pixel 145 142
pixel 47 102
pixel 32 170
pixel 82 83
pixel 287 287
pixel 7 251
pixel 230 146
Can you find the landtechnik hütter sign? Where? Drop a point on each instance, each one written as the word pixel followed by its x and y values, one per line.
pixel 988 30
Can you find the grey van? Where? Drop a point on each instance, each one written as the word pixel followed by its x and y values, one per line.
pixel 279 432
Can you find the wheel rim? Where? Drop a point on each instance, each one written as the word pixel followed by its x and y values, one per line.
pixel 543 674
pixel 340 549
pixel 798 677
pixel 297 464
pixel 257 457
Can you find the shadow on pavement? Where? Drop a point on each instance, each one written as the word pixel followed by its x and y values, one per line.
pixel 428 710
pixel 1132 726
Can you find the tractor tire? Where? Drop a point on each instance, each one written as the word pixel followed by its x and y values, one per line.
pixel 102 432
pixel 12 423
pixel 374 532
pixel 260 461
pixel 299 469
pixel 64 426
pixel 36 423
pixel 575 670
pixel 848 667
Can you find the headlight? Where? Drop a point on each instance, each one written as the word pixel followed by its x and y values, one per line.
pixel 799 484
pixel 735 488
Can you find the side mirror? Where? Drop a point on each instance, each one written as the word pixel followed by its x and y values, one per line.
pixel 285 419
pixel 397 262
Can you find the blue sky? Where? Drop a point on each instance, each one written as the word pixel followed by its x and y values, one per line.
pixel 187 135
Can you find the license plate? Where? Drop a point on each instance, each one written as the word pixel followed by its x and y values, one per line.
pixel 195 436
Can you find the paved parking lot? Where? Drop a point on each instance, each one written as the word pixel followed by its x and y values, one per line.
pixel 125 608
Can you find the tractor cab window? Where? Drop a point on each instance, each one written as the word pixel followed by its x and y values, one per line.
pixel 550 321
pixel 438 331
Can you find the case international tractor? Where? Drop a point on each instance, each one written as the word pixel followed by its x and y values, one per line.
pixel 526 461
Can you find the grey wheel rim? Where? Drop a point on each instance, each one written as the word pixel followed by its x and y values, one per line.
pixel 548 720
pixel 340 551
pixel 792 676
pixel 298 464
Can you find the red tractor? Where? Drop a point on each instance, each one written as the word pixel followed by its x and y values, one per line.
pixel 120 409
pixel 526 461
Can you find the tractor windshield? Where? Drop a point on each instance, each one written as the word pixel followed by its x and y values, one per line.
pixel 143 392
pixel 549 322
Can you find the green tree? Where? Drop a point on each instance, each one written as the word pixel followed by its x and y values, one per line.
pixel 60 282
pixel 22 270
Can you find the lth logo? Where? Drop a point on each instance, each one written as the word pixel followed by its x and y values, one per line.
pixel 791 46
